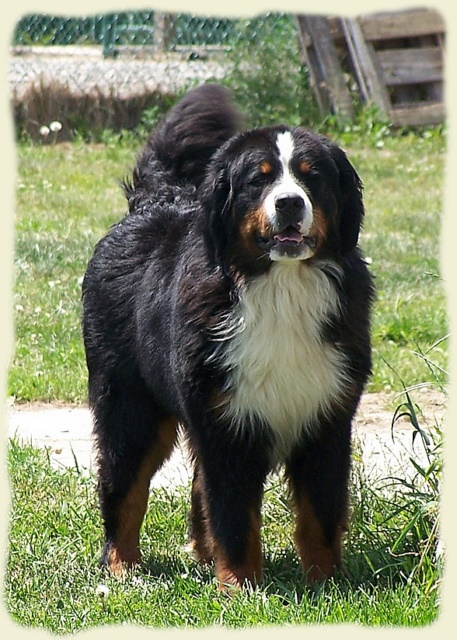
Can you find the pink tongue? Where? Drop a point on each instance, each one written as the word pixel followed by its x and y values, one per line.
pixel 289 235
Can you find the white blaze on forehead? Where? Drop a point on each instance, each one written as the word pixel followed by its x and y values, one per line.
pixel 285 144
pixel 287 183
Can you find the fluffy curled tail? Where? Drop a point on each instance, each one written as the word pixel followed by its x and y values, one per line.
pixel 185 141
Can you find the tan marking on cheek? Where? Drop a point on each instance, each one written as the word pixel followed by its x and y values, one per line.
pixel 318 557
pixel 319 228
pixel 126 547
pixel 253 225
pixel 266 167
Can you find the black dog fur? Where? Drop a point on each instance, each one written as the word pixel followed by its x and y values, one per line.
pixel 164 297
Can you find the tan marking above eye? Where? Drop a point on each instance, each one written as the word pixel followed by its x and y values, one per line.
pixel 266 167
pixel 304 166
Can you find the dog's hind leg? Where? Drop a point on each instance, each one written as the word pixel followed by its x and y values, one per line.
pixel 133 440
pixel 201 543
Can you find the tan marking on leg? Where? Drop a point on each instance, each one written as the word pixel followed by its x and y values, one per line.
pixel 118 564
pixel 250 571
pixel 201 543
pixel 318 558
pixel 126 548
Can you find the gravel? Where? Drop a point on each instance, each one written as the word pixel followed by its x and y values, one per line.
pixel 84 70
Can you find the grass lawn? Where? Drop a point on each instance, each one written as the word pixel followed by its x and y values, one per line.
pixel 67 197
pixel 53 580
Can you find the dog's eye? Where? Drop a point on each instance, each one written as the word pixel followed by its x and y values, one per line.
pixel 258 179
pixel 307 172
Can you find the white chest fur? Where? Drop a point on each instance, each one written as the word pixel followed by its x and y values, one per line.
pixel 280 369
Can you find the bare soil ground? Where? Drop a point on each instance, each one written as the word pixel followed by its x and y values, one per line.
pixel 66 432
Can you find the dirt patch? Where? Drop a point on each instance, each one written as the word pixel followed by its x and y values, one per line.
pixel 65 430
pixel 377 409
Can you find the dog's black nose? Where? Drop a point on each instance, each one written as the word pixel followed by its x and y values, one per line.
pixel 289 209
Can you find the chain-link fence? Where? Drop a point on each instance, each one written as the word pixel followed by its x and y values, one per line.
pixel 108 71
pixel 166 32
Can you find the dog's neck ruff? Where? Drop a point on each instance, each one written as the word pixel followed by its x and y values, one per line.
pixel 281 371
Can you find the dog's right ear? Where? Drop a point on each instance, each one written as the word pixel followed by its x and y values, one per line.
pixel 216 196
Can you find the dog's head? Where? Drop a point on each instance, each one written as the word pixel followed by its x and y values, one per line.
pixel 279 193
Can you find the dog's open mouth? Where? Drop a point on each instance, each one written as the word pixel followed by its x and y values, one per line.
pixel 290 234
pixel 289 243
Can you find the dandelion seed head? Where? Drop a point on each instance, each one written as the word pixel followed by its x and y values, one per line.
pixel 102 590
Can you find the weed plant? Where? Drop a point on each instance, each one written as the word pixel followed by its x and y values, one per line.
pixel 268 81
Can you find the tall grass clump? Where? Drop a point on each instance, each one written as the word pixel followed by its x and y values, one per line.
pixel 396 529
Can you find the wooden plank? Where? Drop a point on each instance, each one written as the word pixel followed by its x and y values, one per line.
pixel 411 66
pixel 418 114
pixel 401 24
pixel 365 65
pixel 327 68
pixel 336 31
pixel 308 59
pixel 163 30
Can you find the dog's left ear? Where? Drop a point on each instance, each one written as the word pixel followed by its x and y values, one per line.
pixel 216 196
pixel 352 203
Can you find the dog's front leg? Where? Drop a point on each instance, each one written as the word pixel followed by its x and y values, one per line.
pixel 231 480
pixel 318 473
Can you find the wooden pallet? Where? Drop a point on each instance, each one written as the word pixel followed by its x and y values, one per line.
pixel 394 59
pixel 321 56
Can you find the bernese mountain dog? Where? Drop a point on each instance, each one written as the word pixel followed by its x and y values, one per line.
pixel 231 304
